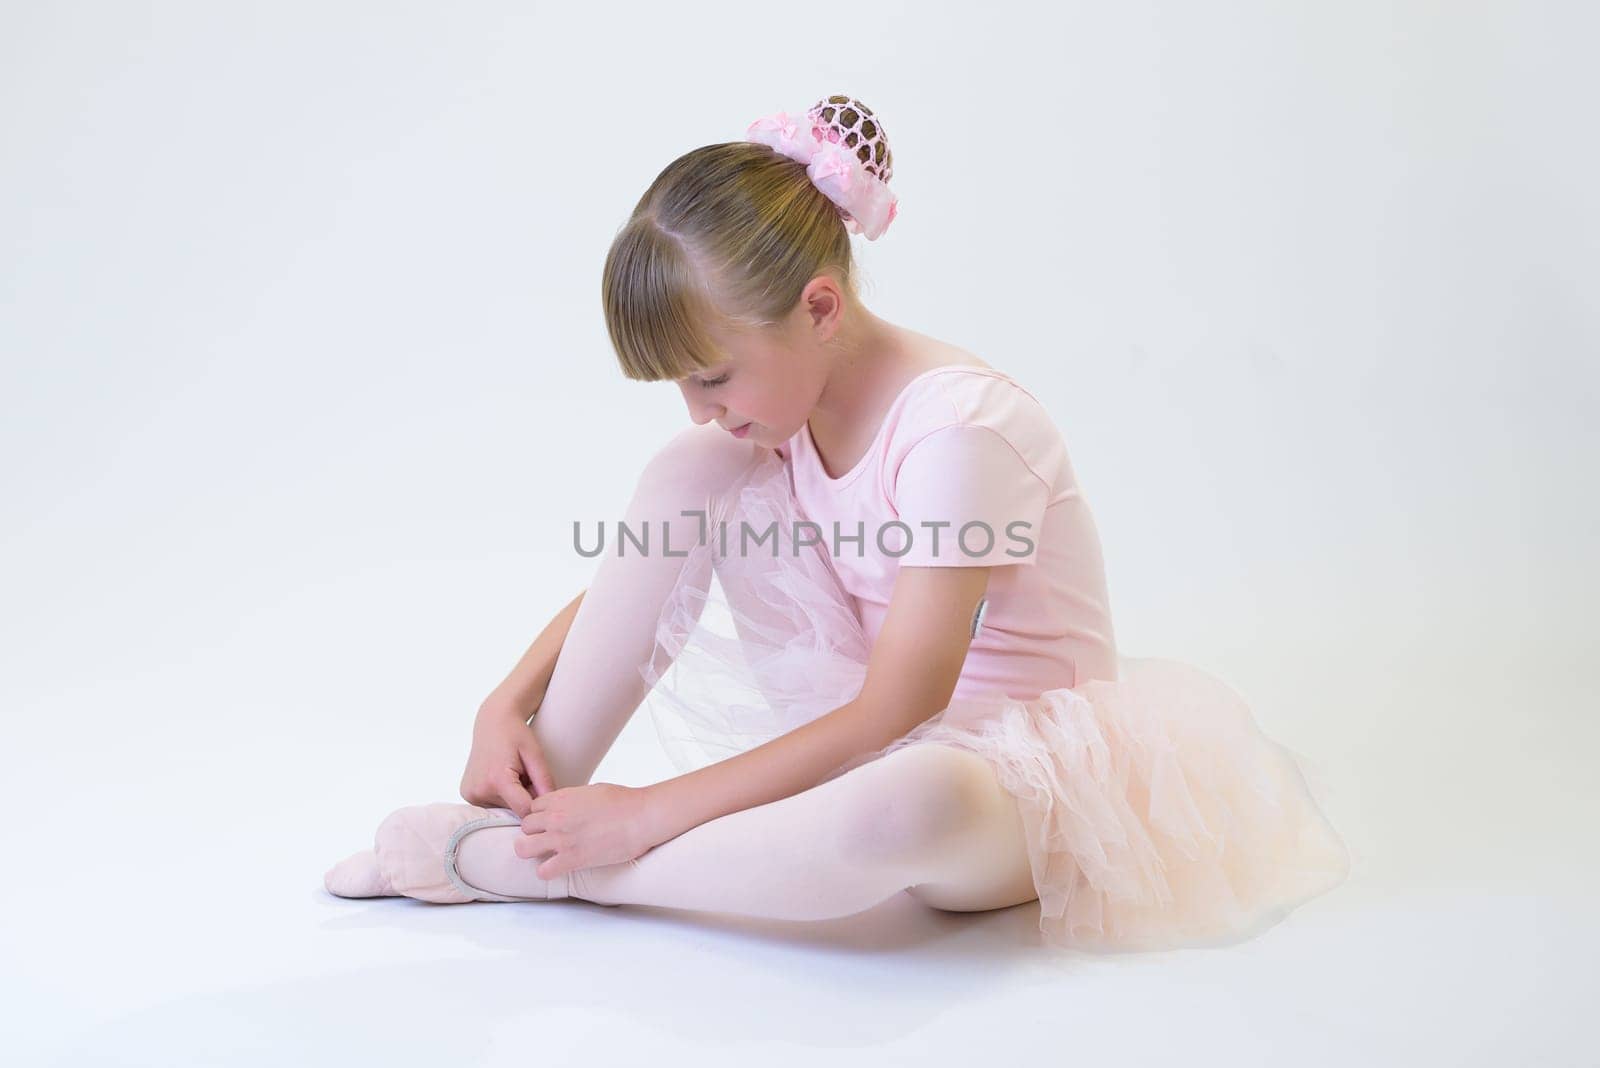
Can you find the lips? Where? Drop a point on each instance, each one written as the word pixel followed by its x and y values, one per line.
pixel 740 431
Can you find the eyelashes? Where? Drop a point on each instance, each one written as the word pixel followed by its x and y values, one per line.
pixel 709 382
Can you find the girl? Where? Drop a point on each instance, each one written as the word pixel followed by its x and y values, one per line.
pixel 875 632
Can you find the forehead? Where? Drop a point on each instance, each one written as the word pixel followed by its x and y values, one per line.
pixel 734 345
pixel 712 371
pixel 741 346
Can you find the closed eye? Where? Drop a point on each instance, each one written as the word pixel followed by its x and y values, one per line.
pixel 708 382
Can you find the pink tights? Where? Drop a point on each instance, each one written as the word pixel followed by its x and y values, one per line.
pixel 929 819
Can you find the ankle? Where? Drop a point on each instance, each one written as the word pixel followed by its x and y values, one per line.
pixel 487 867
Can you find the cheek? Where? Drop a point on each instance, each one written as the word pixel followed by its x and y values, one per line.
pixel 777 409
pixel 752 403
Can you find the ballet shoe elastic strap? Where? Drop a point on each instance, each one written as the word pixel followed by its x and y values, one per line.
pixel 498 819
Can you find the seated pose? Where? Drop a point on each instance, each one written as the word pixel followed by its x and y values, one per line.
pixel 869 611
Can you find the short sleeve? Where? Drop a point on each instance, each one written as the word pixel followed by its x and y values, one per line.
pixel 970 500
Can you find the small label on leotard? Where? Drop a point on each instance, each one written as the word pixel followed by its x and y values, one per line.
pixel 977 617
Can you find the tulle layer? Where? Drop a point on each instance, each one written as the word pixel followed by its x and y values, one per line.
pixel 758 636
pixel 1157 813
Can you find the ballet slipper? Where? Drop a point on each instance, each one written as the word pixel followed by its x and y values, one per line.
pixel 359 875
pixel 416 850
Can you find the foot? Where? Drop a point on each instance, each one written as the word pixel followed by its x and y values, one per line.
pixel 358 875
pixel 446 853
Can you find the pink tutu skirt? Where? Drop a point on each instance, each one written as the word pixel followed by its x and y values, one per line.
pixel 1157 813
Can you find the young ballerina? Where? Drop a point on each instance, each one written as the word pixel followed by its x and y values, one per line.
pixel 875 628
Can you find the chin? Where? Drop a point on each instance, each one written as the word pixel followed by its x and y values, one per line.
pixel 769 437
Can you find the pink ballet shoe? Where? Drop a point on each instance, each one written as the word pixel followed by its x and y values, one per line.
pixel 416 851
pixel 358 875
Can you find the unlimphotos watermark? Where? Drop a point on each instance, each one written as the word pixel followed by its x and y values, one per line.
pixel 974 539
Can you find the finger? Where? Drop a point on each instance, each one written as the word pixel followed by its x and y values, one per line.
pixel 512 792
pixel 533 823
pixel 538 774
pixel 529 846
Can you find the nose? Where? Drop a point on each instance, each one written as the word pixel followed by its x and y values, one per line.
pixel 701 412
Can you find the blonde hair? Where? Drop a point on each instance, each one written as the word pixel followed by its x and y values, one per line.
pixel 727 234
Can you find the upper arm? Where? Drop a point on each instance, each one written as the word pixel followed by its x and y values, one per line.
pixel 968 497
pixel 917 656
pixel 962 477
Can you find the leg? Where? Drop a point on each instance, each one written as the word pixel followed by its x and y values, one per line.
pixel 596 685
pixel 930 819
pixel 995 871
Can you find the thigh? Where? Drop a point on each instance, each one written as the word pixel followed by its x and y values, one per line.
pixel 941 812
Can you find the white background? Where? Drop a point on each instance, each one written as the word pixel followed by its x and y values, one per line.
pixel 304 380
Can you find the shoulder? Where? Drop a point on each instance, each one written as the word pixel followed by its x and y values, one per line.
pixel 986 406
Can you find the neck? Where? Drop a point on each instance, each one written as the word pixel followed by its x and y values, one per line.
pixel 868 367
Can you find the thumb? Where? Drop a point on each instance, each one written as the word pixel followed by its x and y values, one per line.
pixel 512 795
pixel 538 774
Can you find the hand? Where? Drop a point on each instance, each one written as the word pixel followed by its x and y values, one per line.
pixel 585 827
pixel 505 760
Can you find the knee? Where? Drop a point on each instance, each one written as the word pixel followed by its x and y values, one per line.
pixel 695 464
pixel 916 799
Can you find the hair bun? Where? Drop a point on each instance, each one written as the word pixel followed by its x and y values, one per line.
pixel 848 122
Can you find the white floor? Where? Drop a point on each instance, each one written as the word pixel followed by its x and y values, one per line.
pixel 143 926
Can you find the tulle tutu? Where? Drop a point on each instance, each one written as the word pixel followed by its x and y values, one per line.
pixel 1157 813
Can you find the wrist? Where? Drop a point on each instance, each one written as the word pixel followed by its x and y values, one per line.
pixel 509 703
pixel 656 817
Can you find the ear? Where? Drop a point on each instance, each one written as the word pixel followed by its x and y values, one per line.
pixel 823 302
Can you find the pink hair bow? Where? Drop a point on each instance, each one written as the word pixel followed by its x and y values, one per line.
pixel 866 203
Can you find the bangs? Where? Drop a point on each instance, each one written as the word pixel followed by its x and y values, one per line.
pixel 656 308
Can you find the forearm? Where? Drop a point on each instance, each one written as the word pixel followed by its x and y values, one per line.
pixel 790 763
pixel 525 687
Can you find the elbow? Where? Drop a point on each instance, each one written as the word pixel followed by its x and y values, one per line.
pixel 910 679
pixel 885 717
